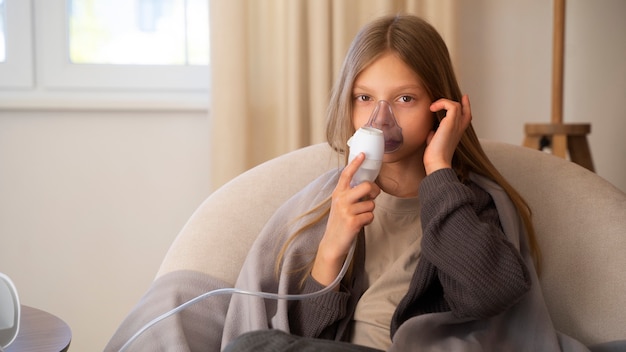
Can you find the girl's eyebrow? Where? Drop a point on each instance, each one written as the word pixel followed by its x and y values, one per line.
pixel 398 88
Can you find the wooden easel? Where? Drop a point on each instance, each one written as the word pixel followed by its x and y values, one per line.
pixel 561 137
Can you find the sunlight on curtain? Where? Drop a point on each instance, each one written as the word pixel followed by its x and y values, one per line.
pixel 273 72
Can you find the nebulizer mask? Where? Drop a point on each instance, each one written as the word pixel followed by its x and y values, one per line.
pixel 380 135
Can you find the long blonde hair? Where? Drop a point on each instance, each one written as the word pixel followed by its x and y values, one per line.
pixel 421 47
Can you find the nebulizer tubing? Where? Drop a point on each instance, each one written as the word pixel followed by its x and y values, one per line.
pixel 232 290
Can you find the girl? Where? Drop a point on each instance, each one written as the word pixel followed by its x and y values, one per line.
pixel 444 251
pixel 438 241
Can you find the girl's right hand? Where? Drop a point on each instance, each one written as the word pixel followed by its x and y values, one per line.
pixel 351 209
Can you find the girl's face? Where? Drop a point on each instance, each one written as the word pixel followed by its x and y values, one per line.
pixel 389 78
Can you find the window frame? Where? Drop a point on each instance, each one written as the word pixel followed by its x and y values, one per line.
pixel 48 80
pixel 17 69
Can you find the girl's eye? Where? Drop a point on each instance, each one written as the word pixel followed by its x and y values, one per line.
pixel 406 99
pixel 363 98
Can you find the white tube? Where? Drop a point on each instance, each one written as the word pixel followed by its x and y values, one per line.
pixel 224 291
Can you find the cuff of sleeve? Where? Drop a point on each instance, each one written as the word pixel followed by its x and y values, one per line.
pixel 329 303
pixel 430 183
pixel 441 192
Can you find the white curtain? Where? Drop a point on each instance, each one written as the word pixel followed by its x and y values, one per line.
pixel 273 64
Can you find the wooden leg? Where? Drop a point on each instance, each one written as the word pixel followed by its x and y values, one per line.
pixel 559 145
pixel 579 151
pixel 563 139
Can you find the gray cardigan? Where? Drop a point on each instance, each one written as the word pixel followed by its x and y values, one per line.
pixel 467 265
pixel 474 289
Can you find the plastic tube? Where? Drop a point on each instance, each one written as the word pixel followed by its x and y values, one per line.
pixel 225 291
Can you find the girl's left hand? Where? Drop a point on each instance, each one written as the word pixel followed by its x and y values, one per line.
pixel 441 144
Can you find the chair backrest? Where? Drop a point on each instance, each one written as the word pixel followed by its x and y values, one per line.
pixel 580 220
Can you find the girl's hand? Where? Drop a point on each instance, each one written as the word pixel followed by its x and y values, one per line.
pixel 350 210
pixel 441 144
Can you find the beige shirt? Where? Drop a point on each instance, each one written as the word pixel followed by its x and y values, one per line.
pixel 392 243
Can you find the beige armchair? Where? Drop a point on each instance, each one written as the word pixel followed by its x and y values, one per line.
pixel 580 221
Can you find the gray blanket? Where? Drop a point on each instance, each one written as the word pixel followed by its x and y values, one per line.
pixel 525 327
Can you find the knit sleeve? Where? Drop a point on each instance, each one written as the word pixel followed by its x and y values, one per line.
pixel 316 317
pixel 481 273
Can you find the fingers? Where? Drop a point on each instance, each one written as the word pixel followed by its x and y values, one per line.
pixel 465 103
pixel 374 190
pixel 453 108
pixel 450 106
pixel 458 114
pixel 348 172
pixel 466 111
pixel 358 199
pixel 353 204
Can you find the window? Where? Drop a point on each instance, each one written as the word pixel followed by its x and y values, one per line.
pixel 143 32
pixel 105 51
pixel 3 49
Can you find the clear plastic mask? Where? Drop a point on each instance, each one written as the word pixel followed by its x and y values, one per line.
pixel 383 119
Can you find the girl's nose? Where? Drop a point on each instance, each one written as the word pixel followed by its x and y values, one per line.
pixel 383 119
pixel 382 116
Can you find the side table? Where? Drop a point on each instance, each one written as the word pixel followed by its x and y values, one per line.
pixel 40 331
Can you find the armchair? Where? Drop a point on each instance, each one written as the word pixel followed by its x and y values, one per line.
pixel 580 220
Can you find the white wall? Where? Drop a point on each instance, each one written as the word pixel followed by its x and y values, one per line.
pixel 90 201
pixel 504 61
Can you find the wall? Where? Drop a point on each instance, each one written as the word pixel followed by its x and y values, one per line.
pixel 90 202
pixel 504 61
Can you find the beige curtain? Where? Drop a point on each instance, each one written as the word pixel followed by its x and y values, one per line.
pixel 273 64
